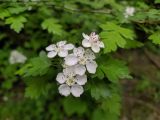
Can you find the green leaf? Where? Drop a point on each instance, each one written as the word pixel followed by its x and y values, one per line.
pixel 9 76
pixel 109 108
pixel 150 16
pixel 16 9
pixel 72 106
pixel 37 66
pixel 36 87
pixel 115 36
pixel 155 37
pixel 4 13
pixel 99 73
pixel 112 104
pixel 51 24
pixel 99 91
pixel 112 41
pixel 115 69
pixel 16 23
pixel 157 1
pixel 133 44
pixel 98 114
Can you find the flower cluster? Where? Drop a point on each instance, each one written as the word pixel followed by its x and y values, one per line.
pixel 77 61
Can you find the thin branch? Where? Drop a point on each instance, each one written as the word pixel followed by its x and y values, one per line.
pixel 154 59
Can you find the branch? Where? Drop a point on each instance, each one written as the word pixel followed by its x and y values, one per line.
pixel 153 58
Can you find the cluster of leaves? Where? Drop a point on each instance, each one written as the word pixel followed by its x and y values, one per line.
pixel 31 26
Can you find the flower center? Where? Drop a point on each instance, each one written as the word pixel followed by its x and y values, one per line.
pixel 70 81
pixel 59 49
pixel 94 38
pixel 82 61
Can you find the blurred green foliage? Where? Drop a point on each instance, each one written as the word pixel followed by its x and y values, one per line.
pixel 29 91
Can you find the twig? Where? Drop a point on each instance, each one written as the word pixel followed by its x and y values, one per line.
pixel 153 58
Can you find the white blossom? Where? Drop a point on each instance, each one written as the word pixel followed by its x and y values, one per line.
pixel 82 59
pixel 70 82
pixel 71 60
pixel 61 48
pixel 129 11
pixel 76 63
pixel 80 69
pixel 76 90
pixel 92 41
pixel 16 57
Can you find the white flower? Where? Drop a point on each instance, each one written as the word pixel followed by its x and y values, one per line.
pixel 85 58
pixel 129 11
pixel 80 69
pixel 71 60
pixel 71 77
pixel 76 90
pixel 92 41
pixel 17 57
pixel 61 48
pixel 91 66
pixel 70 82
pixel 81 60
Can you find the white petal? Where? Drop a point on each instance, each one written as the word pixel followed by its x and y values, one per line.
pixel 69 71
pixel 17 57
pixel 64 90
pixel 80 69
pixel 69 46
pixel 94 37
pixel 52 54
pixel 95 48
pixel 91 66
pixel 101 44
pixel 86 43
pixel 77 90
pixel 61 78
pixel 61 43
pixel 81 80
pixel 89 54
pixel 51 47
pixel 71 60
pixel 62 53
pixel 64 65
pixel 21 58
pixel 85 36
pixel 130 10
pixel 78 51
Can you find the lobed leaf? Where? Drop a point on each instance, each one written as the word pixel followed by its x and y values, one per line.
pixel 52 26
pixel 72 106
pixel 114 69
pixel 155 37
pixel 100 91
pixel 36 87
pixel 16 23
pixel 115 36
pixel 38 66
